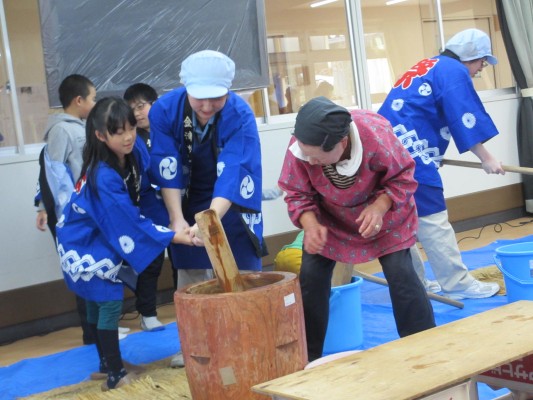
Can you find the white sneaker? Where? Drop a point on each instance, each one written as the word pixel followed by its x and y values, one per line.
pixel 151 324
pixel 431 286
pixel 177 361
pixel 122 332
pixel 477 290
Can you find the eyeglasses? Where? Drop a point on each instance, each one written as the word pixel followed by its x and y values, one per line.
pixel 139 106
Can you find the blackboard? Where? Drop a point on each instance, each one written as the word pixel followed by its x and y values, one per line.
pixel 116 43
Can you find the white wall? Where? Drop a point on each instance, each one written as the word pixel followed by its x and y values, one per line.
pixel 274 141
pixel 27 256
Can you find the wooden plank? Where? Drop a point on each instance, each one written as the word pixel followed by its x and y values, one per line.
pixel 417 365
pixel 342 274
pixel 219 252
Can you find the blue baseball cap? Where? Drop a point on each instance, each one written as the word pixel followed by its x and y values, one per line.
pixel 207 74
pixel 471 44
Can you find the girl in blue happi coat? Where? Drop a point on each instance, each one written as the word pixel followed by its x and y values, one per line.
pixel 102 232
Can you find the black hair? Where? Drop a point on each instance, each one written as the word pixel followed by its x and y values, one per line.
pixel 451 54
pixel 107 116
pixel 73 86
pixel 140 91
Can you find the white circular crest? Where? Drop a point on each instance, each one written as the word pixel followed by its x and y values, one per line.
pixel 127 244
pixel 61 221
pixel 162 228
pixel 469 120
pixel 247 187
pixel 220 168
pixel 397 104
pixel 168 168
pixel 445 133
pixel 78 209
pixel 425 89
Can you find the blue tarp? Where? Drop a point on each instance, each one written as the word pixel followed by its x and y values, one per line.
pixel 41 374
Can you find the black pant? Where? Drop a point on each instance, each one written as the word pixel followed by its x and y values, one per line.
pixel 411 307
pixel 88 336
pixel 174 270
pixel 146 290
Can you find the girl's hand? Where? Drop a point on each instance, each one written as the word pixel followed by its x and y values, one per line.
pixel 182 237
pixel 179 225
pixel 196 236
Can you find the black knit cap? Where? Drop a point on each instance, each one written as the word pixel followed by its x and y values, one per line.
pixel 320 122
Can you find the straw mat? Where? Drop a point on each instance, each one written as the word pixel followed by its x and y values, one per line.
pixel 490 274
pixel 158 382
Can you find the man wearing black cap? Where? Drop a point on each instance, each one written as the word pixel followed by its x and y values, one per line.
pixel 349 185
pixel 431 103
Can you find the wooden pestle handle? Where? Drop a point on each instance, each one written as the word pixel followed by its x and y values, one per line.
pixel 472 164
pixel 219 252
pixel 432 296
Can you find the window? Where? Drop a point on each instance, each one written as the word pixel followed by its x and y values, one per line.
pixel 309 54
pixel 29 93
pixel 7 133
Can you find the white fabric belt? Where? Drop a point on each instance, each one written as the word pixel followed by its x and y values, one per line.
pixel 528 92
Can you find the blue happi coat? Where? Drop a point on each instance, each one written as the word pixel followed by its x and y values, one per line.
pixel 430 104
pixel 151 203
pixel 227 165
pixel 96 234
pixel 433 102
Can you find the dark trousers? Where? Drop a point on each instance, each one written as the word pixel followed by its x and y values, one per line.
pixel 146 290
pixel 174 270
pixel 411 307
pixel 103 319
pixel 88 335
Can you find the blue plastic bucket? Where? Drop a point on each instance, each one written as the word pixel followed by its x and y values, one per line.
pixel 345 328
pixel 515 261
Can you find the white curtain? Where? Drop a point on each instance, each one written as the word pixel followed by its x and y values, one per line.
pixel 516 17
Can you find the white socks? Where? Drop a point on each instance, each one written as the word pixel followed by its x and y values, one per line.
pixel 151 324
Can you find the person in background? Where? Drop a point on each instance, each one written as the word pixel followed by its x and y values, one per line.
pixel 102 232
pixel 325 89
pixel 140 98
pixel 430 104
pixel 206 154
pixel 349 186
pixel 65 138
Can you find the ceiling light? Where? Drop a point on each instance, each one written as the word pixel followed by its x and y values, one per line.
pixel 321 3
pixel 391 2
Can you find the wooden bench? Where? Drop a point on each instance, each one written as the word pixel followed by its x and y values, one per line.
pixel 419 365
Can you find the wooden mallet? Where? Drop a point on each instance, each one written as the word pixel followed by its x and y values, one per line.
pixel 219 252
pixel 471 164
